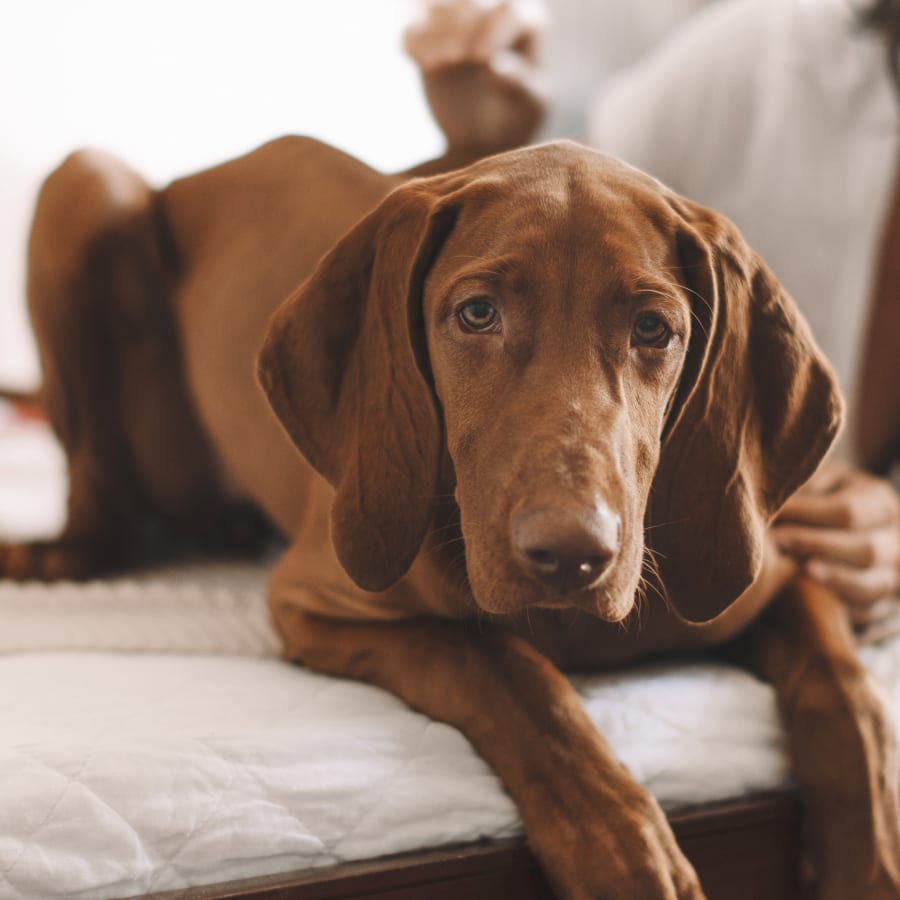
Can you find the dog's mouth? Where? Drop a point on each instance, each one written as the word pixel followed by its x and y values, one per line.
pixel 607 604
pixel 556 551
pixel 611 600
pixel 504 580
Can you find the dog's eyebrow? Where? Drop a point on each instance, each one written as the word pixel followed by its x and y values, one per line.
pixel 485 268
pixel 673 293
pixel 666 289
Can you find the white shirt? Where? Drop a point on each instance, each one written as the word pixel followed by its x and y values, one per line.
pixel 589 40
pixel 780 114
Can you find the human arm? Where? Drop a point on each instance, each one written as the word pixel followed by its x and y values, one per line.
pixel 684 111
pixel 479 66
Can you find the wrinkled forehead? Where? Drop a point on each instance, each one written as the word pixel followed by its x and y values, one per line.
pixel 594 219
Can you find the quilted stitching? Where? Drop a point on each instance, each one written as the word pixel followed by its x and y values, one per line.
pixel 127 773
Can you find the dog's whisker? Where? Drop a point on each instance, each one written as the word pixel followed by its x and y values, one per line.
pixel 650 563
pixel 451 538
pixel 655 525
pixel 576 615
pixel 665 524
pixel 653 554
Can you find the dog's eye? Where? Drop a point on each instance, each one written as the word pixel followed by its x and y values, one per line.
pixel 651 331
pixel 479 316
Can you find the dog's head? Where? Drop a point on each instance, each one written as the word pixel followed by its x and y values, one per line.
pixel 611 370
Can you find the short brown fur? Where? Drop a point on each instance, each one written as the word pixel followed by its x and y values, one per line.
pixel 408 461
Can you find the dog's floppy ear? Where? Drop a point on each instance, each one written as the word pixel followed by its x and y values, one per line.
pixel 343 367
pixel 756 410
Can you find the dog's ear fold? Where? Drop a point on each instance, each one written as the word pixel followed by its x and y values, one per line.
pixel 756 410
pixel 344 367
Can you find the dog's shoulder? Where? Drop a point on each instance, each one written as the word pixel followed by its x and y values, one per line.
pixel 289 190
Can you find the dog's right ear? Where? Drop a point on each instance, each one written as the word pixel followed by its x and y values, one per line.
pixel 756 411
pixel 344 366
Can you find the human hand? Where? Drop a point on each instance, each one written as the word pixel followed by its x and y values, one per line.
pixel 479 63
pixel 843 526
pixel 502 34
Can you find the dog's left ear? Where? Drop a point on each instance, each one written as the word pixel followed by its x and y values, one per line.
pixel 344 368
pixel 755 412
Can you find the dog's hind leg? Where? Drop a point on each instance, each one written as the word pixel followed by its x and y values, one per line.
pixel 842 740
pixel 99 281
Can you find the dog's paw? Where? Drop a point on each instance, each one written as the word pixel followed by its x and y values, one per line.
pixel 885 882
pixel 887 888
pixel 628 854
pixel 884 885
pixel 59 560
pixel 867 876
pixel 857 831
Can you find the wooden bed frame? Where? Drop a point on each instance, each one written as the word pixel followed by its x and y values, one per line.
pixel 747 849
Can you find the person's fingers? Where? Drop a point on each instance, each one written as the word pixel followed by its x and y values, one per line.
pixel 497 30
pixel 846 524
pixel 508 28
pixel 830 475
pixel 867 614
pixel 438 37
pixel 452 32
pixel 822 510
pixel 863 548
pixel 517 73
pixel 861 587
pixel 882 622
pixel 862 502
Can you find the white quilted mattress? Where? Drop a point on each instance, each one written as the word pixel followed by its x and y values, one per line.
pixel 150 739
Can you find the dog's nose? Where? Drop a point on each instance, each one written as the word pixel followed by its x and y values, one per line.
pixel 566 549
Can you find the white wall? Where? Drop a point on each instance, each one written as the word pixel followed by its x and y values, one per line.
pixel 175 86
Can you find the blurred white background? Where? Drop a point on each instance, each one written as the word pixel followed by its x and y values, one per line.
pixel 176 86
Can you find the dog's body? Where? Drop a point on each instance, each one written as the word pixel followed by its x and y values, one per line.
pixel 498 378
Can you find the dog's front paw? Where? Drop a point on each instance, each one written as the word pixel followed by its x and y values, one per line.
pixel 627 852
pixel 852 791
pixel 882 885
pixel 864 876
pixel 882 882
pixel 886 887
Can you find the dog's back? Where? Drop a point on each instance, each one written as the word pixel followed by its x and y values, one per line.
pixel 244 235
pixel 526 381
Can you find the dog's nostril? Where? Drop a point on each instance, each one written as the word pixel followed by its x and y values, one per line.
pixel 545 560
pixel 589 566
pixel 566 549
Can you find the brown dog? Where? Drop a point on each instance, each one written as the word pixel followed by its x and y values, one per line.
pixel 539 383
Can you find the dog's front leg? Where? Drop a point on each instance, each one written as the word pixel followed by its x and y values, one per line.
pixel 842 740
pixel 597 833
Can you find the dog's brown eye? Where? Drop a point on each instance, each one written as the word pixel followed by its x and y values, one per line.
pixel 479 316
pixel 651 331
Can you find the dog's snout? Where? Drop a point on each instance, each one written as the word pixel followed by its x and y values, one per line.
pixel 566 549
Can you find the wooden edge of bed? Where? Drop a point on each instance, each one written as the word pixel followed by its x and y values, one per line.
pixel 743 850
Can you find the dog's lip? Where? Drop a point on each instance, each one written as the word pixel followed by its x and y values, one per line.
pixel 555 603
pixel 609 607
pixel 593 599
pixel 596 601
